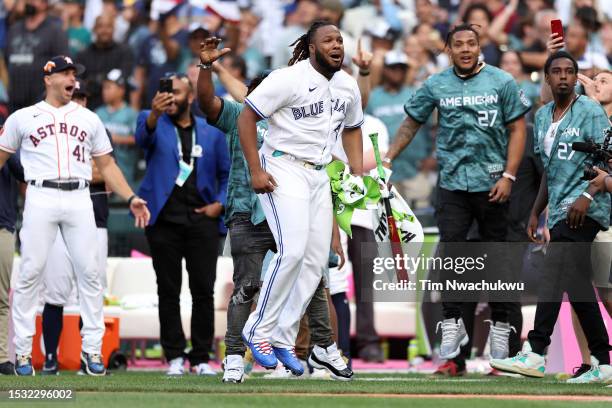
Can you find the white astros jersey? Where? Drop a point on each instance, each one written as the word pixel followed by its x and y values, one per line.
pixel 55 143
pixel 306 112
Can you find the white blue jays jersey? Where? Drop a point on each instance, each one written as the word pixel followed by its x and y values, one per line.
pixel 55 143
pixel 306 112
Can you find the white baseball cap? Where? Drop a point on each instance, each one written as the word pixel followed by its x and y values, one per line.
pixel 395 57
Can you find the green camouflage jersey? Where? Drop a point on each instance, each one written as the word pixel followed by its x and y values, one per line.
pixel 472 139
pixel 240 195
pixel 584 121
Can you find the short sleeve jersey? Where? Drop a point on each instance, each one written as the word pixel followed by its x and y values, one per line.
pixel 55 143
pixel 472 139
pixel 585 121
pixel 306 112
pixel 240 195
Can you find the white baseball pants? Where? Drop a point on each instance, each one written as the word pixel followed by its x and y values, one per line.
pixel 46 210
pixel 60 277
pixel 299 213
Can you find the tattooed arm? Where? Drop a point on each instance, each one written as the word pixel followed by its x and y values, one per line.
pixel 404 136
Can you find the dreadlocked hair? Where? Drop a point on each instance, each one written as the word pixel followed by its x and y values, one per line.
pixel 300 46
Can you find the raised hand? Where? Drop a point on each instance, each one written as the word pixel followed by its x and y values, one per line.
pixel 209 52
pixel 554 44
pixel 588 84
pixel 362 58
pixel 161 102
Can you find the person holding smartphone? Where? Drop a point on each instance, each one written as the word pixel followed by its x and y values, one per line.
pixel 185 185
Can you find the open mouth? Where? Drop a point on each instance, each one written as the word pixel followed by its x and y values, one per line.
pixel 69 88
pixel 336 57
pixel 466 60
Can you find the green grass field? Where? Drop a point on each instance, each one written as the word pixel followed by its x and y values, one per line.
pixel 154 389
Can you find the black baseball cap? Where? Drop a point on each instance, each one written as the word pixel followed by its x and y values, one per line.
pixel 115 75
pixel 61 63
pixel 80 89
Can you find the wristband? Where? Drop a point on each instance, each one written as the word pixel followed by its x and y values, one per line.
pixel 131 199
pixel 204 66
pixel 364 72
pixel 509 176
pixel 587 195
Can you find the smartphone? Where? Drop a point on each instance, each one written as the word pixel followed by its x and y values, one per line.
pixel 165 85
pixel 556 26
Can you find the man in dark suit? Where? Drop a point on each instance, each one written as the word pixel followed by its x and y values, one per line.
pixel 185 187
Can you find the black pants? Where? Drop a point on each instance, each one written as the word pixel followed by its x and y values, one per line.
pixel 455 214
pixel 568 270
pixel 362 259
pixel 343 316
pixel 197 244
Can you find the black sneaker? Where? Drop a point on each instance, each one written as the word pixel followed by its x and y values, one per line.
pixel 50 367
pixel 372 353
pixel 578 371
pixel 7 368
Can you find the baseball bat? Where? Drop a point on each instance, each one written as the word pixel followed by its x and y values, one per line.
pixel 396 242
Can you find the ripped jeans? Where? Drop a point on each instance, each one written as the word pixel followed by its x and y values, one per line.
pixel 249 244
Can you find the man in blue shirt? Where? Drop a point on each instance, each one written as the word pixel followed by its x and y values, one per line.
pixel 9 175
pixel 185 186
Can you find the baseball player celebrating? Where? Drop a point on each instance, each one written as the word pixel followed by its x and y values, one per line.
pixel 57 138
pixel 309 105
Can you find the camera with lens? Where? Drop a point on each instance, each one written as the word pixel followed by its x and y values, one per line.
pixel 598 154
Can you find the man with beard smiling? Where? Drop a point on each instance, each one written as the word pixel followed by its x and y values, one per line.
pixel 576 215
pixel 479 146
pixel 185 186
pixel 309 106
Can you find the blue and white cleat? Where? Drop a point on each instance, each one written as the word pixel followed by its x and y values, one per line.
pixel 289 359
pixel 23 365
pixel 262 353
pixel 91 364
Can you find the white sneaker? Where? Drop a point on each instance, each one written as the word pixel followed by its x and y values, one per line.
pixel 233 369
pixel 204 369
pixel 177 367
pixel 526 362
pixel 499 334
pixel 279 372
pixel 453 337
pixel 597 374
pixel 320 374
pixel 331 360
